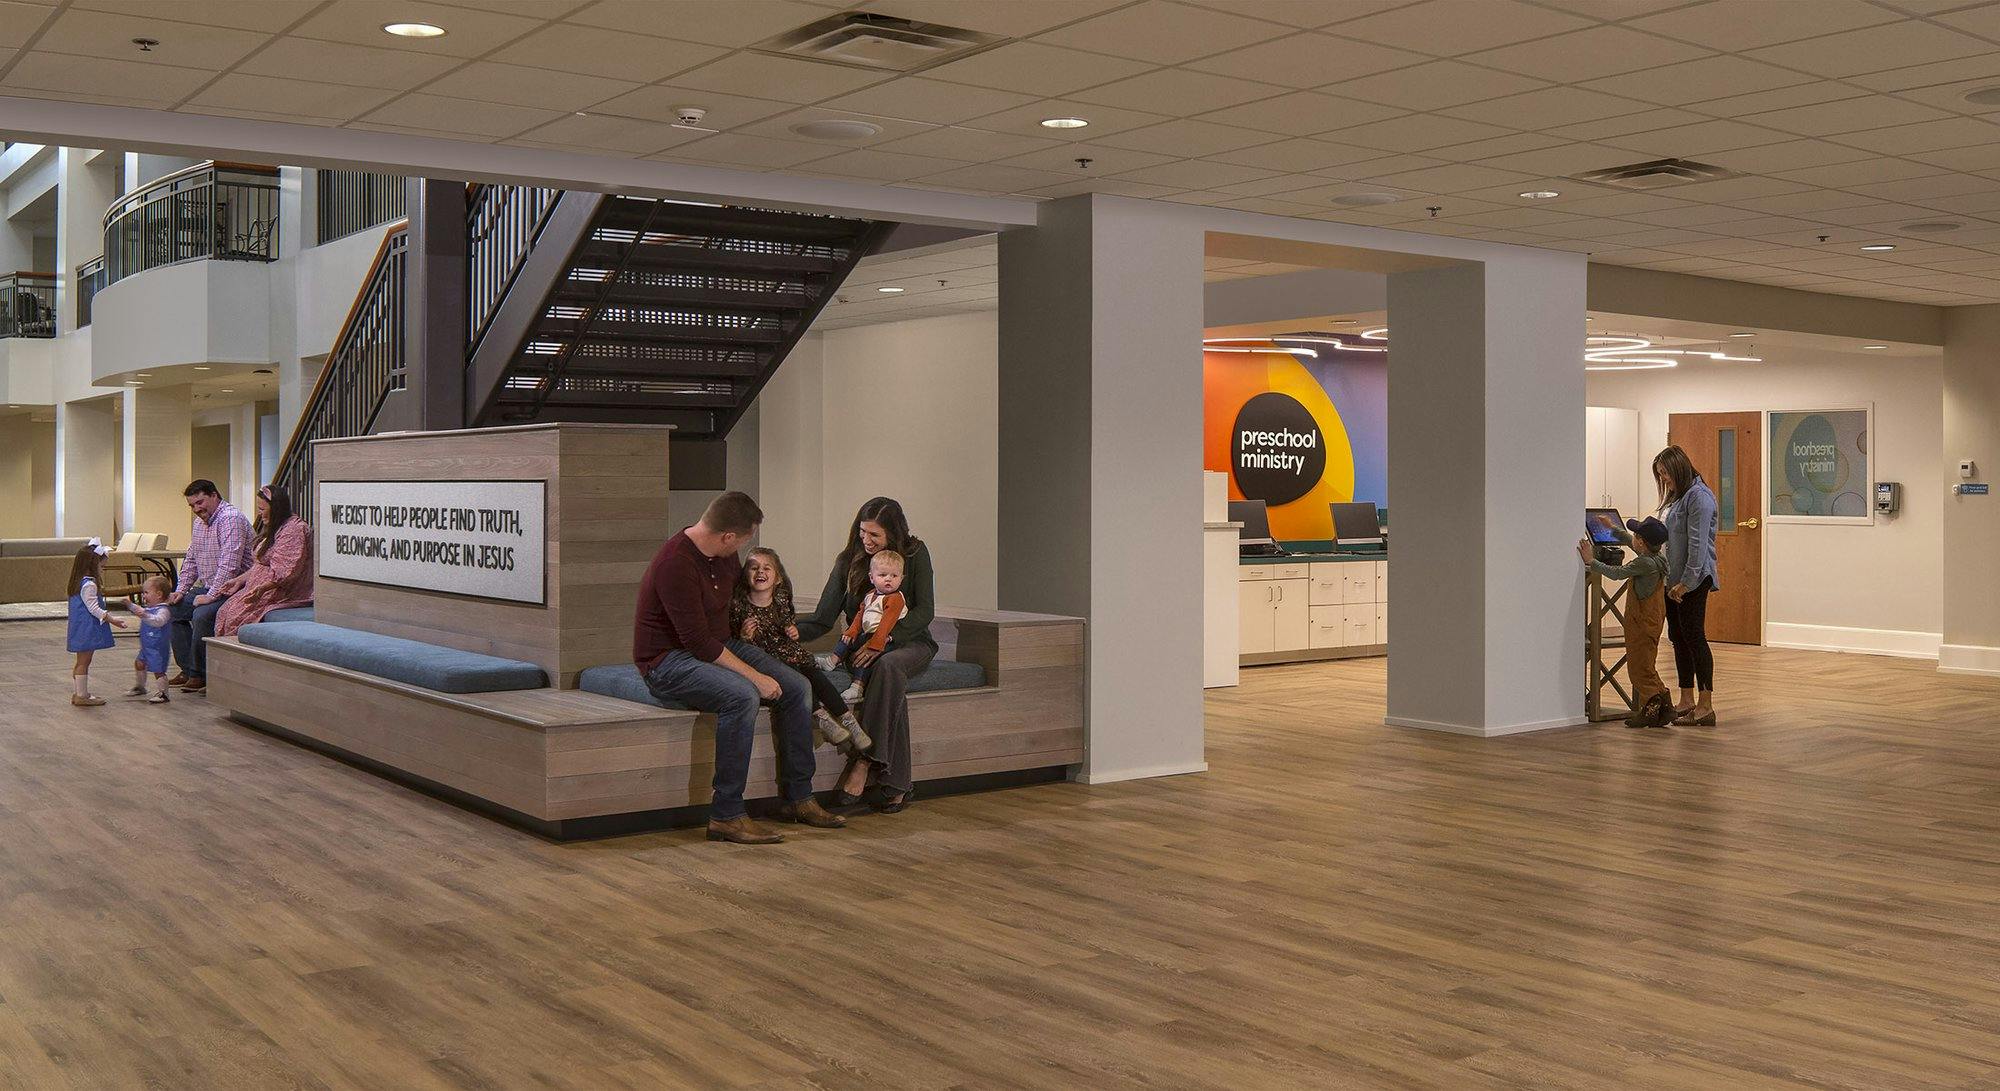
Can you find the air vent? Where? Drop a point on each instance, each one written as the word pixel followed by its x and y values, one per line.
pixel 1656 174
pixel 883 43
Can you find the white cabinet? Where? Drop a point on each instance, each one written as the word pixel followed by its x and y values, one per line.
pixel 1291 616
pixel 1273 615
pixel 1310 607
pixel 1611 459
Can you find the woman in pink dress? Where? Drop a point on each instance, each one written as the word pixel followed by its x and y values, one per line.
pixel 281 574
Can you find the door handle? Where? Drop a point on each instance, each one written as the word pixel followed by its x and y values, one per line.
pixel 1748 524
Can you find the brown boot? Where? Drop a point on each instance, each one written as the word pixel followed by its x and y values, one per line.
pixel 196 684
pixel 178 680
pixel 808 812
pixel 742 831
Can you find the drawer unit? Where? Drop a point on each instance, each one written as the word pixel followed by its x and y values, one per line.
pixel 1381 581
pixel 1311 609
pixel 1382 623
pixel 1328 626
pixel 1329 584
pixel 1359 586
pixel 1360 627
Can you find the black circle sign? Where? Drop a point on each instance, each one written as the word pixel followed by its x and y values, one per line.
pixel 1276 452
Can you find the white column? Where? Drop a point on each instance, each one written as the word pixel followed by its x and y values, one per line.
pixel 1100 464
pixel 1486 399
pixel 88 187
pixel 86 464
pixel 1971 523
pixel 244 479
pixel 157 445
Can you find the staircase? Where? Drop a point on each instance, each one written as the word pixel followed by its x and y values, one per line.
pixel 594 307
pixel 634 309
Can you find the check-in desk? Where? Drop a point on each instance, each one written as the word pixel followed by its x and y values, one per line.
pixel 1321 602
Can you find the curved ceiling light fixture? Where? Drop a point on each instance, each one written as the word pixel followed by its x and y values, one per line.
pixel 1254 344
pixel 1336 342
pixel 1600 352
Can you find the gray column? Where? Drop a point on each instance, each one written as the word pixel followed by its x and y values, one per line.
pixel 1486 399
pixel 1100 464
pixel 1971 523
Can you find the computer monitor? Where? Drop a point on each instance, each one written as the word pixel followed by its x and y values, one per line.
pixel 1356 524
pixel 1603 525
pixel 1256 523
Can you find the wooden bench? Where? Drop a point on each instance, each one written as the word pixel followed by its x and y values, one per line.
pixel 570 764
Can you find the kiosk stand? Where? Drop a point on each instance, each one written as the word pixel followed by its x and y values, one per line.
pixel 1602 640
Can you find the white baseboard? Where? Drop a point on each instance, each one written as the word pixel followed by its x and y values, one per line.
pixel 1840 638
pixel 1113 776
pixel 1969 659
pixel 1483 732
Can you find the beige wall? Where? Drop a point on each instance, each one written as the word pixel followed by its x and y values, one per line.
pixel 1971 430
pixel 903 409
pixel 1877 587
pixel 27 477
pixel 208 456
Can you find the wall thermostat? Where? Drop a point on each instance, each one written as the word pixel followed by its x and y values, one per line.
pixel 1888 497
pixel 1966 469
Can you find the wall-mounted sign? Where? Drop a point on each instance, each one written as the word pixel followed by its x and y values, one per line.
pixel 1296 433
pixel 1818 465
pixel 1276 450
pixel 484 539
pixel 1972 488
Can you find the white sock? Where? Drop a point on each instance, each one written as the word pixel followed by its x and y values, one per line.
pixel 156 685
pixel 82 684
pixel 138 678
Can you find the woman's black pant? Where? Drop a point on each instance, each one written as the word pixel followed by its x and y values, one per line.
pixel 1687 627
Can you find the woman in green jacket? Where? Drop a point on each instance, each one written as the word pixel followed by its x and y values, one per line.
pixel 885 706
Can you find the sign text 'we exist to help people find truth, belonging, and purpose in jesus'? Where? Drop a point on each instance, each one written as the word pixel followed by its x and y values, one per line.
pixel 479 538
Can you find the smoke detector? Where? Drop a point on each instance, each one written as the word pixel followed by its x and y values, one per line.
pixel 883 43
pixel 1656 174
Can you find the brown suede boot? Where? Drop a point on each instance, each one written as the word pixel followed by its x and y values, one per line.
pixel 742 831
pixel 808 812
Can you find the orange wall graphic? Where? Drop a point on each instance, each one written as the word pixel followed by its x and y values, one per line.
pixel 1229 382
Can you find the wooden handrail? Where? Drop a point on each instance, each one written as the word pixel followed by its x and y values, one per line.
pixel 346 326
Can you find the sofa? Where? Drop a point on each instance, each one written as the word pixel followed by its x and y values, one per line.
pixel 123 570
pixel 36 569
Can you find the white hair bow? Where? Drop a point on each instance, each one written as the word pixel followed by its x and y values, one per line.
pixel 97 547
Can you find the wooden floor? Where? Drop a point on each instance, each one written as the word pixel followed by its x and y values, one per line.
pixel 1807 896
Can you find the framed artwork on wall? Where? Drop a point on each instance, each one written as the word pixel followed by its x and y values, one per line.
pixel 1819 465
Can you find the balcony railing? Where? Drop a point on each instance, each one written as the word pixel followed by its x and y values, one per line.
pixel 502 223
pixel 226 211
pixel 28 305
pixel 353 200
pixel 89 278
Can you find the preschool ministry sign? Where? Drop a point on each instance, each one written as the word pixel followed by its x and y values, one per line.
pixel 480 538
pixel 1277 452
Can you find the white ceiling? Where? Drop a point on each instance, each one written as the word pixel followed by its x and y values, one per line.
pixel 1846 116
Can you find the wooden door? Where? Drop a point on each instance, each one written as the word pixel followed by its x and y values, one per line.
pixel 1727 449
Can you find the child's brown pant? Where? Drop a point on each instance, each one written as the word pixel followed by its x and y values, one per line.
pixel 1643 620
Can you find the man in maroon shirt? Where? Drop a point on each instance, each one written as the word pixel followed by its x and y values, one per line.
pixel 685 651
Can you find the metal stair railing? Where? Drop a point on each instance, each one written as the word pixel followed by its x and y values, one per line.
pixel 366 365
pixel 502 224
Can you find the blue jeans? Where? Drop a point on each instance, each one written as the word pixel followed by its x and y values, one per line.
pixel 191 625
pixel 711 687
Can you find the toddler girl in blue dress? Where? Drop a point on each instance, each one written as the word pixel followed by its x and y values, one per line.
pixel 90 624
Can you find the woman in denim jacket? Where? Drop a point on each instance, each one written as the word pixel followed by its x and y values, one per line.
pixel 1687 506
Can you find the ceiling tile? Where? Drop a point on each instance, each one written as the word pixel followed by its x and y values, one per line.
pixel 269 16
pixel 659 103
pixel 1307 60
pixel 19 22
pixel 753 151
pixel 780 128
pixel 1861 172
pixel 1298 154
pixel 711 22
pixel 1103 160
pixel 1957 132
pixel 1448 179
pixel 1436 85
pixel 108 34
pixel 1789 155
pixel 1850 116
pixel 760 75
pixel 1415 133
pixel 1449 27
pixel 468 117
pixel 1036 69
pixel 338 62
pixel 1691 216
pixel 1695 81
pixel 494 82
pixel 618 54
pixel 995 178
pixel 1179 91
pixel 1983 157
pixel 1494 147
pixel 1896 45
pixel 1302 113
pixel 1781 98
pixel 270 95
pixel 970 145
pixel 1161 32
pixel 1697 139
pixel 1628 123
pixel 468 33
pixel 1811 202
pixel 1188 139
pixel 932 101
pixel 1734 26
pixel 1013 19
pixel 1549 107
pixel 882 166
pixel 1264 187
pixel 1195 174
pixel 1588 54
pixel 133 80
pixel 1561 160
pixel 1928 190
pixel 1974 71
pixel 614 134
pixel 1103 119
pixel 287 118
pixel 1620 204
pixel 1734 189
pixel 1303 13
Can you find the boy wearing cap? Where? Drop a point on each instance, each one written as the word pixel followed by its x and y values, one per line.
pixel 1645 615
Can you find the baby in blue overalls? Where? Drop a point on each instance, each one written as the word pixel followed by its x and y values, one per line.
pixel 154 640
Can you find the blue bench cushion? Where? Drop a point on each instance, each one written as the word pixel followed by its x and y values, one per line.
pixel 622 680
pixel 289 613
pixel 447 670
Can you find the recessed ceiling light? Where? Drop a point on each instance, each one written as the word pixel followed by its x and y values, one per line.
pixel 1984 96
pixel 201 367
pixel 414 30
pixel 226 390
pixel 1367 199
pixel 836 129
pixel 1540 194
pixel 889 291
pixel 1874 346
pixel 1743 335
pixel 1063 123
pixel 134 382
pixel 1878 247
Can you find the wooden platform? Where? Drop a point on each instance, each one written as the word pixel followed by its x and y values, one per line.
pixel 573 764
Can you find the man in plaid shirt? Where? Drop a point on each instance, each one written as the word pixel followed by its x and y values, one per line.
pixel 218 552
